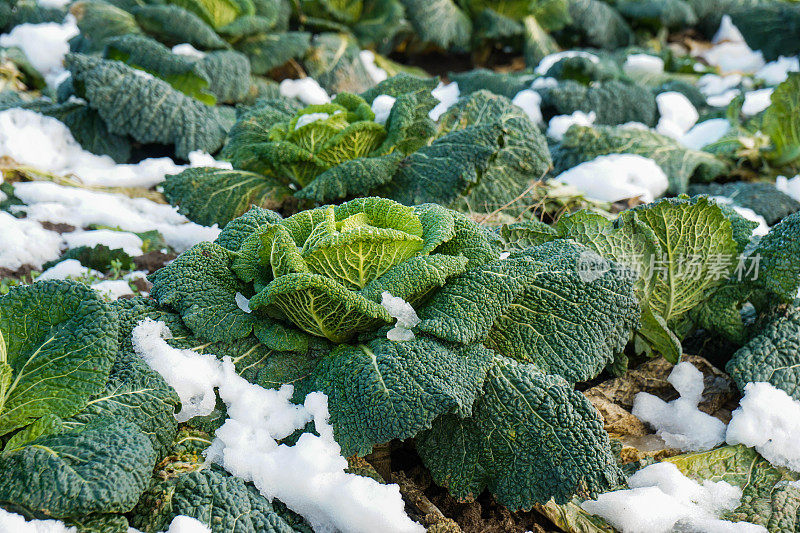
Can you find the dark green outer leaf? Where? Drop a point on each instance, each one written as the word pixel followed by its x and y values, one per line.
pixel 383 390
pixel 60 340
pixel 100 468
pixel 238 229
pixel 530 438
pixel 174 25
pixel 778 267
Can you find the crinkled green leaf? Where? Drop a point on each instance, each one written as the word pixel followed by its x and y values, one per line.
pixel 174 25
pixel 267 51
pixel 102 467
pixel 782 120
pixel 530 438
pixel 208 195
pixel 383 390
pixel 238 229
pixel 60 343
pixel 777 252
pixel 440 22
pixel 201 287
pixel 334 61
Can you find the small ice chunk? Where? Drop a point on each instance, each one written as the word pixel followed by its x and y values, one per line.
pixel 757 101
pixel 662 500
pixel 375 72
pixel 776 72
pixel 680 423
pixel 186 49
pixel 14 523
pixel 678 115
pixel 310 118
pixel 242 302
pixel 615 177
pixel 199 158
pixel 192 375
pixel 544 82
pixel 768 419
pixel 382 107
pixel 505 255
pixel 130 243
pixel 68 268
pixel 789 187
pixel 643 64
pixel 714 84
pixel 705 133
pixel 633 125
pixel 406 317
pixel 26 242
pixel 722 99
pixel 530 101
pixel 113 288
pixel 548 61
pixel 559 124
pixel 307 90
pixel 447 95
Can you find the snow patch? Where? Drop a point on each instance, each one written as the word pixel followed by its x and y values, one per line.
pixel 382 107
pixel 45 45
pixel 186 49
pixel 68 268
pixel 530 101
pixel 678 115
pixel 24 242
pixel 113 288
pixel 776 72
pixel 768 419
pixel 308 477
pixel 406 317
pixel 705 133
pixel 559 124
pixel 731 53
pixel 548 61
pixel 187 524
pixel 762 228
pixel 130 243
pixel 643 64
pixel 615 177
pixel 680 423
pixel 375 72
pixel 307 90
pixel 790 187
pixel 310 118
pixel 756 101
pixel 50 202
pixel 12 522
pixel 661 500
pixel 447 95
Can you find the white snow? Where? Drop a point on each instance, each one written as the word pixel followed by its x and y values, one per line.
pixel 768 419
pixel 307 90
pixel 530 101
pixel 310 118
pixel 47 144
pixel 382 107
pixel 186 49
pixel 130 243
pixel 749 214
pixel 559 124
pixel 713 84
pixel 731 53
pixel 375 72
pixel 788 186
pixel 661 500
pixel 705 133
pixel 722 99
pixel 406 317
pixel 680 423
pixel 544 82
pixel 14 523
pixel 643 64
pixel 776 72
pixel 678 115
pixel 615 177
pixel 756 101
pixel 45 45
pixel 50 202
pixel 548 61
pixel 242 302
pixel 24 242
pixel 68 268
pixel 309 477
pixel 113 288
pixel 447 96
pixel 187 524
